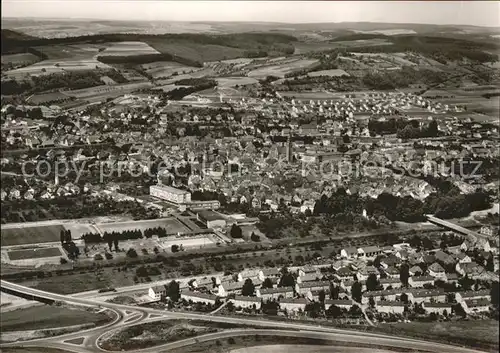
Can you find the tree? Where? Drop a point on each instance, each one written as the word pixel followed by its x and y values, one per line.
pixel 371 301
pixel 321 296
pixel 494 293
pixel 116 244
pixel 248 288
pixel 254 237
pixel 236 232
pixel 287 280
pixel 372 282
pixel 333 311
pixel 268 283
pixel 63 236
pixel 334 291
pixel 404 298
pixel 490 264
pixel 356 291
pixel 173 291
pixel 404 274
pixel 131 253
pixel 174 248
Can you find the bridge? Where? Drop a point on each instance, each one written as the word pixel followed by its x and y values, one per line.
pixel 474 236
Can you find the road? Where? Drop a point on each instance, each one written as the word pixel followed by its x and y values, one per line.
pixel 127 315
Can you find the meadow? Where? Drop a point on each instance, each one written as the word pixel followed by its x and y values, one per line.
pixel 172 226
pixel 36 253
pixel 31 235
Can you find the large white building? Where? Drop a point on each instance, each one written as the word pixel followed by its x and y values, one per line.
pixel 169 193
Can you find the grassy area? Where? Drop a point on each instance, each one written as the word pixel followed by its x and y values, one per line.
pixel 32 350
pixel 31 235
pixel 153 334
pixel 47 317
pixel 474 333
pixel 34 253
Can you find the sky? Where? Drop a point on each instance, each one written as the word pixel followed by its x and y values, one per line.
pixel 478 13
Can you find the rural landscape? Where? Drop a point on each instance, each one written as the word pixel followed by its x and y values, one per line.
pixel 249 186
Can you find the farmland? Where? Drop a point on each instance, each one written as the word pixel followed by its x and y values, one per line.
pixel 128 48
pixel 46 317
pixel 36 253
pixel 166 68
pixel 331 73
pixel 30 235
pixel 235 81
pixel 19 59
pixel 282 68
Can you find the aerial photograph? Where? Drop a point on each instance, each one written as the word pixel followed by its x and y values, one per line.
pixel 249 176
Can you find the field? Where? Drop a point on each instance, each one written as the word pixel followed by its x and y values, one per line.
pixel 127 49
pixel 198 52
pixel 473 333
pixel 31 235
pixel 36 253
pixel 235 81
pixel 281 69
pixel 45 317
pixel 191 242
pixel 105 91
pixel 77 230
pixel 19 59
pixel 47 67
pixel 302 48
pixel 166 68
pixel 172 225
pixel 47 97
pixel 331 73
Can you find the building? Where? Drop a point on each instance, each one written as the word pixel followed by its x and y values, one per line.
pixel 272 272
pixel 157 292
pixel 420 281
pixel 345 273
pixel 198 297
pixel 307 270
pixel 303 288
pixel 471 269
pixel 365 272
pixel 247 302
pixel 393 283
pixel 275 293
pixel 370 252
pixel 293 304
pixel 347 285
pixel 349 253
pixel 476 306
pixel 211 219
pixel 438 308
pixel 226 288
pixel 426 295
pixel 170 194
pixel 472 295
pixel 343 304
pixel 382 295
pixel 390 307
pixel 437 271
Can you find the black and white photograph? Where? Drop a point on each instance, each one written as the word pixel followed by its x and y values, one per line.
pixel 249 176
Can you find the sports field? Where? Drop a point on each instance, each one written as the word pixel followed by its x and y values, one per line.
pixel 172 226
pixel 30 235
pixel 39 253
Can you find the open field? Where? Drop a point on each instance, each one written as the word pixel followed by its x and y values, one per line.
pixel 235 81
pixel 281 69
pixel 127 49
pixel 32 350
pixel 473 333
pixel 78 229
pixel 47 67
pixel 191 242
pixel 331 73
pixel 36 253
pixel 31 235
pixel 46 316
pixel 198 52
pixel 105 91
pixel 19 59
pixel 166 68
pixel 172 226
pixel 304 47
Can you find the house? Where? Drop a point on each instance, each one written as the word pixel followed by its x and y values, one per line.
pixel 347 285
pixel 303 288
pixel 416 271
pixel 476 305
pixel 420 281
pixel 293 304
pixel 389 294
pixel 343 304
pixel 391 260
pixel 349 253
pixel 345 273
pixel 436 270
pixel 471 295
pixel 275 293
pixel 370 252
pixel 211 218
pixel 248 274
pixel 392 272
pixel 272 272
pixel 472 269
pixel 390 307
pixel 307 270
pixel 444 258
pixel 314 295
pixel 437 308
pixel 393 283
pixel 426 295
pixel 226 288
pixel 451 278
pixel 198 297
pixel 157 292
pixel 247 302
pixel 462 258
pixel 366 271
pixel 309 278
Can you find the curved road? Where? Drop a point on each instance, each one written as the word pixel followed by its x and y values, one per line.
pixel 128 315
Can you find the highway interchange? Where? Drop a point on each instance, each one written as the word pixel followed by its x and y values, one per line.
pixel 88 341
